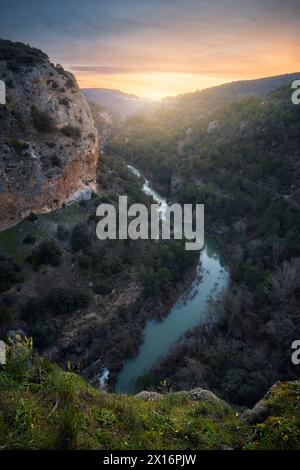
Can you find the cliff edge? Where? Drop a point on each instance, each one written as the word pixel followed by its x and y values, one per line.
pixel 44 407
pixel 48 141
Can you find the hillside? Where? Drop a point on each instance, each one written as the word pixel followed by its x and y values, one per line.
pixel 183 110
pixel 165 129
pixel 242 162
pixel 48 141
pixel 43 407
pixel 234 91
pixel 83 300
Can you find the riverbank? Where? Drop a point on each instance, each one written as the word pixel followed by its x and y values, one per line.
pixel 184 313
pixel 110 327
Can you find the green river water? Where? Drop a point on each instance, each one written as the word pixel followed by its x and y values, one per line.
pixel 187 312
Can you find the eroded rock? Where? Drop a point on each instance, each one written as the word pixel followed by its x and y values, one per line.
pixel 149 396
pixel 48 141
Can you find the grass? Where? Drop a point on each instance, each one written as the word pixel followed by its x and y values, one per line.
pixel 45 227
pixel 43 407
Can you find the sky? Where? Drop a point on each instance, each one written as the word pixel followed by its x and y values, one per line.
pixel 156 48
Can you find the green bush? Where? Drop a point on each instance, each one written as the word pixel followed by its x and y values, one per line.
pixel 71 131
pixel 17 54
pixel 46 253
pixel 43 334
pixel 32 217
pixel 80 239
pixel 29 239
pixel 155 282
pixel 55 160
pixel 62 233
pixel 9 273
pixel 33 310
pixel 61 301
pixel 7 317
pixel 103 287
pixel 70 83
pixel 85 262
pixel 64 101
pixel 42 121
pixel 19 145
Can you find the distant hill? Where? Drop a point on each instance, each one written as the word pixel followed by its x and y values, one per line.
pixel 235 90
pixel 117 102
pixel 175 116
pixel 190 106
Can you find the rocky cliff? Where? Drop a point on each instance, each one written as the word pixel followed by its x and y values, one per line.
pixel 48 141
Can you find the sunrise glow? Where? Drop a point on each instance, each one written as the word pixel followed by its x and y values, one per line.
pixel 163 48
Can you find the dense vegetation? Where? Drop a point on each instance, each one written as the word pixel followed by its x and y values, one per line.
pixel 243 163
pixel 42 407
pixel 17 54
pixel 61 275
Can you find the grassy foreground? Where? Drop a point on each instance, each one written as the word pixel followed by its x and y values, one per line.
pixel 43 407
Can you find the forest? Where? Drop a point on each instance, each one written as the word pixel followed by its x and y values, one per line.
pixel 242 162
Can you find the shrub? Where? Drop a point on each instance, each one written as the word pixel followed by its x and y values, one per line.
pixel 46 253
pixel 55 161
pixel 33 310
pixel 62 233
pixel 61 300
pixel 103 287
pixel 32 217
pixel 71 131
pixel 70 83
pixel 16 54
pixel 43 334
pixel 85 262
pixel 79 239
pixel 29 239
pixel 19 360
pixel 19 145
pixel 155 282
pixel 64 101
pixel 42 121
pixel 9 273
pixel 7 317
pixel 106 417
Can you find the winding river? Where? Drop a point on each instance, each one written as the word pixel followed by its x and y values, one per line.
pixel 190 310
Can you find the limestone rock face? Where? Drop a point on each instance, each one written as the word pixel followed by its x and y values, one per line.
pixel 48 141
pixel 149 396
pixel 200 394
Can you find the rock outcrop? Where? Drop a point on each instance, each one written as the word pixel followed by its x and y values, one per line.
pixel 48 141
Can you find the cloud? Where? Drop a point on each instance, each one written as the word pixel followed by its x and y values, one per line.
pixel 222 39
pixel 102 69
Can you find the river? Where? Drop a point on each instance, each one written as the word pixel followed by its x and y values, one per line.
pixel 190 310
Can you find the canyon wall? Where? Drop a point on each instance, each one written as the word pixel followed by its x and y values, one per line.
pixel 48 141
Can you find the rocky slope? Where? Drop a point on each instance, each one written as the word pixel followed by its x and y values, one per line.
pixel 48 142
